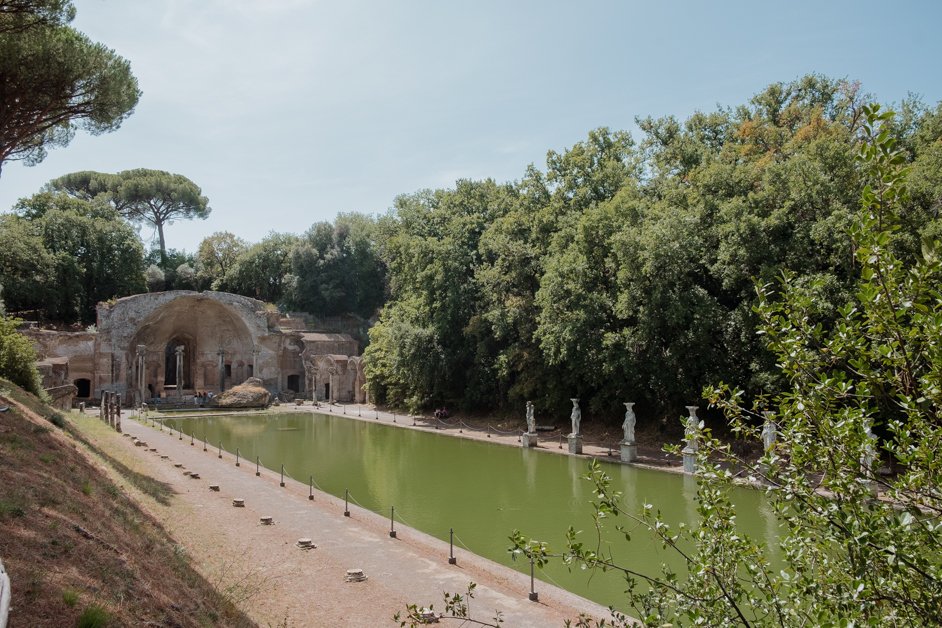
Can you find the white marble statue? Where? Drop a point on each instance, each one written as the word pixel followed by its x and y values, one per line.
pixel 693 426
pixel 769 431
pixel 531 420
pixel 575 417
pixel 629 424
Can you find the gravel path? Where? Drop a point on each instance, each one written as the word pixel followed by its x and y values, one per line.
pixel 261 567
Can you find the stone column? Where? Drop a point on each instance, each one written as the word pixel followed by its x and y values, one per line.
pixel 141 374
pixel 179 371
pixel 330 384
pixel 690 434
pixel 222 369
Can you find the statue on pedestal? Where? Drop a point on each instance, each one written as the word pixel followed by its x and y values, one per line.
pixel 769 431
pixel 693 426
pixel 629 424
pixel 575 417
pixel 531 420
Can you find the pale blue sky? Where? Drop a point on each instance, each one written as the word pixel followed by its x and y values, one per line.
pixel 288 111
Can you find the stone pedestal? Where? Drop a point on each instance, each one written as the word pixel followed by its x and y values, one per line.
pixel 575 443
pixel 690 460
pixel 629 452
pixel 528 439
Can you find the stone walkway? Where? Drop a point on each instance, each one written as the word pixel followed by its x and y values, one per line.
pixel 281 585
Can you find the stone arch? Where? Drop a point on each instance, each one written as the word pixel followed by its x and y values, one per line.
pixel 355 365
pixel 203 326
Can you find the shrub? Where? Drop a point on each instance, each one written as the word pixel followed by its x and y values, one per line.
pixel 18 357
pixel 93 617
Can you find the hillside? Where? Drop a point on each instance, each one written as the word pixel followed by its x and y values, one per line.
pixel 77 549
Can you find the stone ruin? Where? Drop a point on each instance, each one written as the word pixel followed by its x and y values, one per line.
pixel 183 346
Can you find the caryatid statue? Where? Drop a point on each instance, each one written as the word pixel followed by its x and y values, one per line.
pixel 531 420
pixel 629 424
pixel 769 431
pixel 693 426
pixel 575 417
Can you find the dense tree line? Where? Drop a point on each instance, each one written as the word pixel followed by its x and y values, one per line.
pixel 628 268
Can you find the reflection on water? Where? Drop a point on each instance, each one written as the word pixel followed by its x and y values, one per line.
pixel 482 490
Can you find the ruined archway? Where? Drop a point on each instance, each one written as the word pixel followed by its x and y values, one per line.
pixel 216 344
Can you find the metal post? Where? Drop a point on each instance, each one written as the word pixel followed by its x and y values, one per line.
pixel 310 494
pixel 191 439
pixel 451 547
pixel 179 433
pixel 560 440
pixel 237 456
pixel 392 522
pixel 534 596
pixel 346 502
pixel 220 449
pixel 257 472
pixel 204 441
pixel 394 416
pixel 282 475
pixel 359 410
pixel 488 430
pixel 377 415
pixel 345 410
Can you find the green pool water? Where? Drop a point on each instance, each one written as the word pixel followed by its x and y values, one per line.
pixel 482 490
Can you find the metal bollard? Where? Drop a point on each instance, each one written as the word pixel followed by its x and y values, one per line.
pixel 220 449
pixel 238 453
pixel 282 475
pixel 451 547
pixel 310 494
pixel 392 522
pixel 257 472
pixel 534 596
pixel 204 442
pixel 191 439
pixel 179 433
pixel 346 502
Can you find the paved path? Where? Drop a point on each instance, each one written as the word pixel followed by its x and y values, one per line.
pixel 280 584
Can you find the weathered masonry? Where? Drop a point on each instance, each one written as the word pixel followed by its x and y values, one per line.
pixel 182 343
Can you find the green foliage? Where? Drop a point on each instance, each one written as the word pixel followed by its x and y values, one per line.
pixel 261 270
pixel 70 597
pixel 18 357
pixel 65 255
pixel 216 255
pixel 55 80
pixel 93 616
pixel 323 262
pixel 858 545
pixel 150 197
pixel 457 606
pixel 626 269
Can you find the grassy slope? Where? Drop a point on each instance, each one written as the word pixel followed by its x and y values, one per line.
pixel 75 545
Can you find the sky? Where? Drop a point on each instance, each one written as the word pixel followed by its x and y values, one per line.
pixel 286 112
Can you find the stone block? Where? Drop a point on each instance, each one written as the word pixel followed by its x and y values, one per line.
pixel 528 439
pixel 629 452
pixel 575 443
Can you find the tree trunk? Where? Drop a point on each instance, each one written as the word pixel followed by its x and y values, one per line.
pixel 163 244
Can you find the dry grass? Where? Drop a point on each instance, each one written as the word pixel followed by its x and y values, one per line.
pixel 78 550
